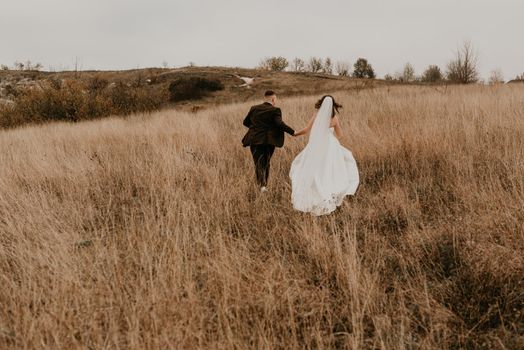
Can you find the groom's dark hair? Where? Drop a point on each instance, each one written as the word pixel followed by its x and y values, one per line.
pixel 269 93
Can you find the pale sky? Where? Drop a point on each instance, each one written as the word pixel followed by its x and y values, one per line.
pixel 122 34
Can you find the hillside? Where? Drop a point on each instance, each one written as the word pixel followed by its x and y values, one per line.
pixel 35 97
pixel 148 232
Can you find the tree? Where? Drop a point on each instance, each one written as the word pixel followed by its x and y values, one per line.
pixel 342 68
pixel 496 77
pixel 463 68
pixel 29 65
pixel 19 65
pixel 362 69
pixel 328 66
pixel 520 77
pixel 274 63
pixel 298 65
pixel 314 65
pixel 432 74
pixel 408 74
pixel 4 67
pixel 388 77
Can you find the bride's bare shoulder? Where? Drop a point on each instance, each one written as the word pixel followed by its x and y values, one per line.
pixel 334 121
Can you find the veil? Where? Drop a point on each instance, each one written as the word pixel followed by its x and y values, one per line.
pixel 320 130
pixel 314 153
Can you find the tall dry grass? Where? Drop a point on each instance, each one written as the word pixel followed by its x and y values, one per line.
pixel 149 233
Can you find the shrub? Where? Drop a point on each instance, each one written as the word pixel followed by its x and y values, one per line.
pixel 10 90
pixel 193 88
pixel 76 100
pixel 432 74
pixel 274 63
pixel 362 69
pixel 97 84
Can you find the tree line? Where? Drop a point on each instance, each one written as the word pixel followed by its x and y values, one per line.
pixel 361 69
pixel 461 69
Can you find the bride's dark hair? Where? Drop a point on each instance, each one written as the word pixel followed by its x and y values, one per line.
pixel 336 106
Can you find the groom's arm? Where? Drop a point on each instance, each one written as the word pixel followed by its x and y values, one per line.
pixel 247 120
pixel 280 123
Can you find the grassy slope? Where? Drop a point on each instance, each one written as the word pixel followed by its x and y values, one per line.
pixel 285 83
pixel 149 233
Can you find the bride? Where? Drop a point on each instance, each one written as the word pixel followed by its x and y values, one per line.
pixel 324 172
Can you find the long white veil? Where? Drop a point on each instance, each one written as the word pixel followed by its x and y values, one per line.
pixel 320 130
pixel 313 155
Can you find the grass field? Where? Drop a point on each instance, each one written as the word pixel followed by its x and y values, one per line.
pixel 148 232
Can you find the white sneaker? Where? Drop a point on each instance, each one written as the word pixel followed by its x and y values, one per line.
pixel 263 189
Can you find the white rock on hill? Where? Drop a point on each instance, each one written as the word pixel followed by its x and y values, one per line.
pixel 247 81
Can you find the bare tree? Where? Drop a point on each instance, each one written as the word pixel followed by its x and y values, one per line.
pixel 408 74
pixel 298 65
pixel 314 65
pixel 328 66
pixel 463 68
pixel 342 68
pixel 164 64
pixel 496 77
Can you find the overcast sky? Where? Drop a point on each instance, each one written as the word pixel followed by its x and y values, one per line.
pixel 120 34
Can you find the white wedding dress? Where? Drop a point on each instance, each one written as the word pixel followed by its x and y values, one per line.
pixel 324 172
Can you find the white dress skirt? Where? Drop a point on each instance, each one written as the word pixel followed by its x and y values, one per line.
pixel 333 176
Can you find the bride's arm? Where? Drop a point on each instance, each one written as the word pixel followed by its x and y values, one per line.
pixel 338 130
pixel 307 129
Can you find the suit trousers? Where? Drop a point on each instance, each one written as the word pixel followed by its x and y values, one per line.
pixel 262 157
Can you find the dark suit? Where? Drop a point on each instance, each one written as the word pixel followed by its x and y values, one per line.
pixel 266 131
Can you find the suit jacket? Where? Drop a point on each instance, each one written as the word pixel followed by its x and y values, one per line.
pixel 265 126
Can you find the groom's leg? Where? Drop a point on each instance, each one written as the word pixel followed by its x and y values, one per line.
pixel 269 153
pixel 258 152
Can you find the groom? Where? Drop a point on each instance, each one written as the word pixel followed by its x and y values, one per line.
pixel 266 131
